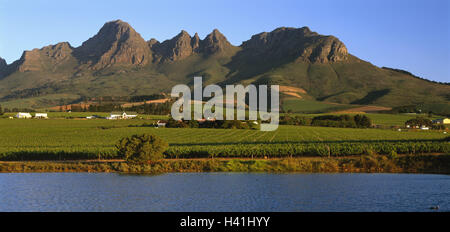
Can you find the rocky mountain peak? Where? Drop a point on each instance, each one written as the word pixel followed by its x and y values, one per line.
pixel 116 43
pixel 49 55
pixel 300 44
pixel 215 42
pixel 58 51
pixel 327 49
pixel 176 48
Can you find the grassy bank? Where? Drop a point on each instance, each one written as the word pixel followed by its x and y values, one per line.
pixel 425 163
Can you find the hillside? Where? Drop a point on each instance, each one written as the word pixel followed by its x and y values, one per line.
pixel 117 61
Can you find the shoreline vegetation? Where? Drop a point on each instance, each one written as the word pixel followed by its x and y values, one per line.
pixel 436 163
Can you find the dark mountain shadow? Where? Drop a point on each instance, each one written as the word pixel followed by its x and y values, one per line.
pixel 371 97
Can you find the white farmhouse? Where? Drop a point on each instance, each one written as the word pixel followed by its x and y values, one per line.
pixel 23 115
pixel 41 115
pixel 122 115
pixel 161 123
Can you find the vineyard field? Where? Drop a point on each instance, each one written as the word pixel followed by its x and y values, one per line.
pixel 96 139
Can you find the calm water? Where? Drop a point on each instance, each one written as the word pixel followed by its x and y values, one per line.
pixel 223 192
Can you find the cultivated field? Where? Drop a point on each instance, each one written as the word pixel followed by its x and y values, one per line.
pixel 72 138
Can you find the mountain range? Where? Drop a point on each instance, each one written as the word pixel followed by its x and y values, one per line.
pixel 117 61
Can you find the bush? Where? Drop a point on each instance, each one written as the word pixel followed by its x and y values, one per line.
pixel 393 155
pixel 176 124
pixel 362 121
pixel 141 148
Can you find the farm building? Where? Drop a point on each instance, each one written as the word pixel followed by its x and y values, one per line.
pixel 41 115
pixel 442 121
pixel 23 115
pixel 122 115
pixel 161 123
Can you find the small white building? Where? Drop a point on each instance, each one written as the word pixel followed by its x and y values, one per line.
pixel 122 115
pixel 161 123
pixel 41 115
pixel 23 115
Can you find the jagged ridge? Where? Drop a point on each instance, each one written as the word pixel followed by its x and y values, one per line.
pixel 118 61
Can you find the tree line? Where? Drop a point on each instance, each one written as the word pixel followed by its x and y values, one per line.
pixel 347 121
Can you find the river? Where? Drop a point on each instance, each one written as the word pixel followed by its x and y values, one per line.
pixel 223 192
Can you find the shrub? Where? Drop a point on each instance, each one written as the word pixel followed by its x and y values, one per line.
pixel 141 148
pixel 393 155
pixel 362 121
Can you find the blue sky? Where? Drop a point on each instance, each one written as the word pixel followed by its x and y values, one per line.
pixel 410 35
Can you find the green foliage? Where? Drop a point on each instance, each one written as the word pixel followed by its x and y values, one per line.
pixel 234 124
pixel 279 150
pixel 419 121
pixel 72 139
pixel 438 127
pixel 294 120
pixel 393 155
pixel 376 163
pixel 430 108
pixel 222 124
pixel 357 121
pixel 141 148
pixel 176 124
pixel 362 121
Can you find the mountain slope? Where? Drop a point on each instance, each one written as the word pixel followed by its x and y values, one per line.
pixel 117 61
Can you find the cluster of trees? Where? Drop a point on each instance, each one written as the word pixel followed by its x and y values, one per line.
pixel 412 109
pixel 154 108
pixel 142 98
pixel 121 99
pixel 93 108
pixel 295 120
pixel 357 121
pixel 222 124
pixel 419 121
pixel 6 110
